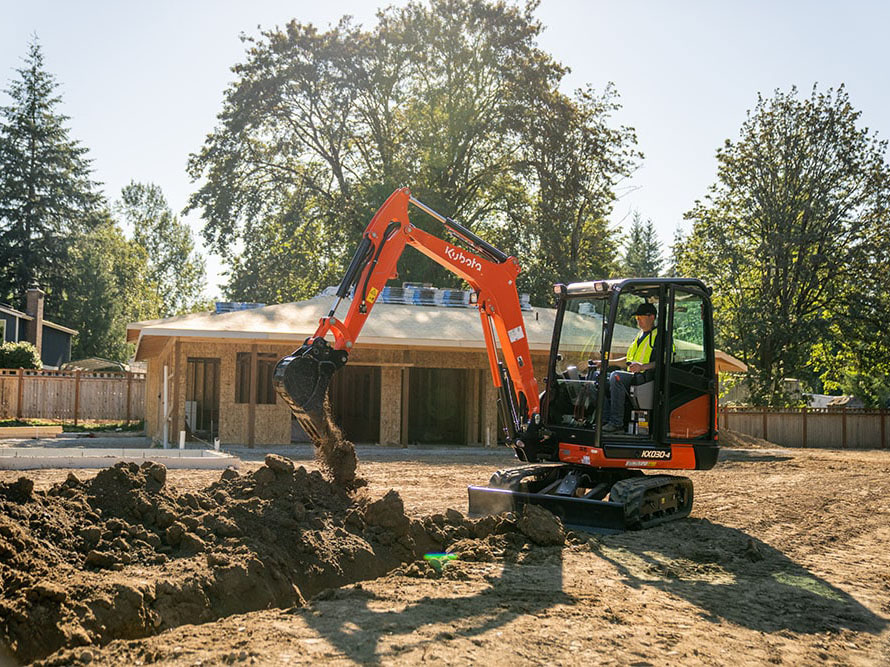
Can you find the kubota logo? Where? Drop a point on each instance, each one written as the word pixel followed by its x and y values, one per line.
pixel 458 256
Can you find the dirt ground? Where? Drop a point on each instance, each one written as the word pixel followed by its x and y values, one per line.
pixel 784 560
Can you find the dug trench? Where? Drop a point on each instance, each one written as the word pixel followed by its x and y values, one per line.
pixel 124 556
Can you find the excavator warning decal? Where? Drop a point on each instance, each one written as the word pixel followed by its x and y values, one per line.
pixel 516 334
pixel 372 295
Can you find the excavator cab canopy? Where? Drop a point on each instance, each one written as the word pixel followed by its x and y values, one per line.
pixel 672 404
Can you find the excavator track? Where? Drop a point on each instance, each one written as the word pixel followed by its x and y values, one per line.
pixel 654 499
pixel 593 499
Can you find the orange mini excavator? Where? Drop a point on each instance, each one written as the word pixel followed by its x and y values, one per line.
pixel 587 476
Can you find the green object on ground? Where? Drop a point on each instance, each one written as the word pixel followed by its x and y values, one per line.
pixel 438 561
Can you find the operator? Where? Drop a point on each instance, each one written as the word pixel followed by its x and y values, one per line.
pixel 639 367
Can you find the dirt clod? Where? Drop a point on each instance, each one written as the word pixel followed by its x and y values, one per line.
pixel 541 526
pixel 279 464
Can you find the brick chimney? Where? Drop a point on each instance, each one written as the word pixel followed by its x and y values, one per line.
pixel 34 308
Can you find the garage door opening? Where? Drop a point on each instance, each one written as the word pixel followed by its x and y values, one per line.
pixel 438 407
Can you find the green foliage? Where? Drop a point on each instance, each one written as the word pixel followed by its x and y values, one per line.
pixel 54 226
pixel 107 287
pixel 642 254
pixel 674 268
pixel 794 239
pixel 453 98
pixel 853 357
pixel 174 268
pixel 46 193
pixel 19 355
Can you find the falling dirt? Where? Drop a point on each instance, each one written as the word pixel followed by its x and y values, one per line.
pixel 334 453
pixel 782 561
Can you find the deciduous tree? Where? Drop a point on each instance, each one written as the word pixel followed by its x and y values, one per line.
pixel 792 235
pixel 175 270
pixel 107 286
pixel 453 98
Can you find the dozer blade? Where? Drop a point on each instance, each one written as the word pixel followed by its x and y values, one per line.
pixel 590 499
pixel 302 380
pixel 595 515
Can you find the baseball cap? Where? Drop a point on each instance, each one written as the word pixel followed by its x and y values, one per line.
pixel 645 308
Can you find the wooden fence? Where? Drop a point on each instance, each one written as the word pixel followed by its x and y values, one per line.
pixel 833 428
pixel 71 395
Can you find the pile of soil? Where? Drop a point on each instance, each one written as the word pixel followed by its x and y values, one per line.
pixel 124 556
pixel 730 438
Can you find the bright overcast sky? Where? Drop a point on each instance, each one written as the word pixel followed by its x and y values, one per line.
pixel 143 82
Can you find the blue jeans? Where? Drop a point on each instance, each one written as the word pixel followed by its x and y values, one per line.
pixel 620 383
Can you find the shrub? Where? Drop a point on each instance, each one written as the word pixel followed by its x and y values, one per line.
pixel 19 355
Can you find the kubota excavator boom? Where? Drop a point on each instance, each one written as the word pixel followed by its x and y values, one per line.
pixel 302 378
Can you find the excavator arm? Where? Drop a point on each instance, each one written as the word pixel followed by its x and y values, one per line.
pixel 302 378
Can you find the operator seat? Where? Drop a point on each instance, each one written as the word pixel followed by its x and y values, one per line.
pixel 644 395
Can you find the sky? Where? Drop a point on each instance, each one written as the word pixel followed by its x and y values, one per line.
pixel 143 82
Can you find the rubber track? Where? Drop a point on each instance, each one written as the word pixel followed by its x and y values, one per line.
pixel 511 478
pixel 642 507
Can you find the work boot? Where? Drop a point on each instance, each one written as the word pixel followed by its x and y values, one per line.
pixel 612 428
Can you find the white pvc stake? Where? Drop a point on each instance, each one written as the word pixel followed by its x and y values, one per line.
pixel 166 412
pixel 182 439
pixel 216 444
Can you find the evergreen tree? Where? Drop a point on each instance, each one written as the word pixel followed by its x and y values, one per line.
pixel 107 286
pixel 174 269
pixel 642 254
pixel 673 268
pixel 46 193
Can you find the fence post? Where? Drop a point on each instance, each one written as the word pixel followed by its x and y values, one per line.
pixel 844 427
pixel 21 394
pixel 804 413
pixel 76 395
pixel 726 417
pixel 129 389
pixel 883 430
pixel 765 431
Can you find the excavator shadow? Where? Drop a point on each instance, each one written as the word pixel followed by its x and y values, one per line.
pixel 728 577
pixel 731 576
pixel 378 629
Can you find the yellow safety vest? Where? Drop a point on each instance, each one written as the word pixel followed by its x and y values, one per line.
pixel 640 350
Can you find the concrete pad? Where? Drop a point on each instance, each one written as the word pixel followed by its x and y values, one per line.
pixel 34 458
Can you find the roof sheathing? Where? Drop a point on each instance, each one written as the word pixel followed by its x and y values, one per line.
pixel 401 326
pixel 391 326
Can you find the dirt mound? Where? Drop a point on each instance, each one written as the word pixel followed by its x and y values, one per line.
pixel 730 438
pixel 123 555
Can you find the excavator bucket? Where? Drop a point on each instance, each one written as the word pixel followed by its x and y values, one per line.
pixel 302 380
